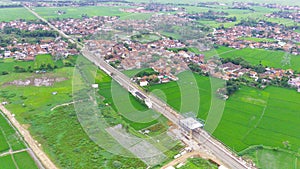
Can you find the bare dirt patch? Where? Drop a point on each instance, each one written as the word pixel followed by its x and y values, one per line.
pixel 34 81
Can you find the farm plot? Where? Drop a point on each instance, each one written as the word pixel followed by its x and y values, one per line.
pixel 10 14
pixel 77 12
pixel 171 93
pixel 9 137
pixel 7 162
pixel 10 140
pixel 255 56
pixel 251 117
pixel 257 12
pixel 269 117
pixel 24 161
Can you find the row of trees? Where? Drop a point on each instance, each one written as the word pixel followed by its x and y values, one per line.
pixel 11 6
pixel 20 69
pixel 253 22
pixel 26 33
pixel 146 73
pixel 211 15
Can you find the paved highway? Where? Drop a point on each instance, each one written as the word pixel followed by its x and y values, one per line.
pixel 200 136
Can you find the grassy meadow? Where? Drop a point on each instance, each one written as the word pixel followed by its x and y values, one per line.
pixel 43 60
pixel 196 163
pixel 40 62
pixel 145 38
pixel 58 129
pixel 273 158
pixel 253 39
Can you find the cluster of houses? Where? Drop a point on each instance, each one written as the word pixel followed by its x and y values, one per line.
pixel 248 5
pixel 218 16
pixel 272 37
pixel 153 7
pixel 83 26
pixel 157 21
pixel 134 55
pixel 295 82
pixel 23 25
pixel 26 51
pixel 285 14
pixel 229 71
pixel 169 63
pixel 160 78
pixel 137 55
pixel 281 7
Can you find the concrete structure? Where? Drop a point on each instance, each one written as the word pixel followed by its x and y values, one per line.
pixel 222 167
pixel 190 124
pixel 148 103
pixel 95 86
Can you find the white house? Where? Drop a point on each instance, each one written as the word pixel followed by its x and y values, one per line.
pixel 95 86
pixel 7 54
pixel 143 83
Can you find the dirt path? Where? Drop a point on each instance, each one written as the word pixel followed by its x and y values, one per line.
pixel 47 163
pixel 64 104
pixel 184 158
pixel 10 152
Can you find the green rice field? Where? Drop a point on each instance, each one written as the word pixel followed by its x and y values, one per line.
pixel 251 117
pixel 11 140
pixel 9 14
pixel 77 12
pixel 268 58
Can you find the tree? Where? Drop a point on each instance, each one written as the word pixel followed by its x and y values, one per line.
pixel 4 73
pixel 232 86
pixel 19 69
pixel 260 68
pixel 49 66
pixel 117 164
pixel 29 68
